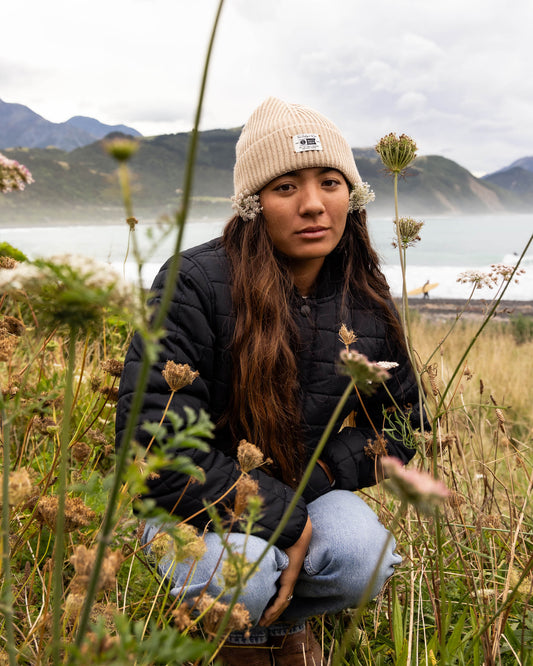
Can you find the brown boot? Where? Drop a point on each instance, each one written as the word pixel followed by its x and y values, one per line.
pixel 300 649
pixel 245 655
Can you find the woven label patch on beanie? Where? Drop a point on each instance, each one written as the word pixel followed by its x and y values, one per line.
pixel 304 142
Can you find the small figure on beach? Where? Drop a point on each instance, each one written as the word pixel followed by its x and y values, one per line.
pixel 256 314
pixel 425 289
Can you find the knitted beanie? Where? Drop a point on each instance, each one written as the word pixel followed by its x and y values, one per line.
pixel 281 137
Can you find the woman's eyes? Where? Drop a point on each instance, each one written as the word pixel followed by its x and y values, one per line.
pixel 327 183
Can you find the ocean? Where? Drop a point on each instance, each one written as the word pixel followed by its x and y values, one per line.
pixel 448 246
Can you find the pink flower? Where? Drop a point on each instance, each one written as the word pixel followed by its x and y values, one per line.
pixel 13 176
pixel 413 486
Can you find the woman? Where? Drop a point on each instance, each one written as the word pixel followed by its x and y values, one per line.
pixel 257 313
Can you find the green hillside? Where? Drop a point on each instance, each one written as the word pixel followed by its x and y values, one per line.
pixel 82 184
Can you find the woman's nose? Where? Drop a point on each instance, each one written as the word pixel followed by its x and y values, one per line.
pixel 311 202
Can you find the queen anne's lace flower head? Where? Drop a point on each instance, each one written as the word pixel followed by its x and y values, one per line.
pixel 360 196
pixel 246 205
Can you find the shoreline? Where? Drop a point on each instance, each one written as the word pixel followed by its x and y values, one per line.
pixel 444 308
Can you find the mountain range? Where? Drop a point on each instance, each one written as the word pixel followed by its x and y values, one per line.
pixel 20 126
pixel 80 183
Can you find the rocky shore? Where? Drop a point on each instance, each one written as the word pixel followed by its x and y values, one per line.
pixel 447 308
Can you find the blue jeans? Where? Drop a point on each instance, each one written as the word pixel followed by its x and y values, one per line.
pixel 345 548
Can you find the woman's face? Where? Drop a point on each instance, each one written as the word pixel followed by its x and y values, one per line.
pixel 305 213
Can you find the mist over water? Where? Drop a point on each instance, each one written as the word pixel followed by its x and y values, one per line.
pixel 448 246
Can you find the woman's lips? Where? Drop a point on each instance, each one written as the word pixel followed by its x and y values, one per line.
pixel 312 232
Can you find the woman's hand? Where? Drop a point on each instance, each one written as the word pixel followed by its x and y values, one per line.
pixel 289 576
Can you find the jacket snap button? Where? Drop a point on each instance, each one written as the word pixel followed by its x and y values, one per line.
pixel 305 310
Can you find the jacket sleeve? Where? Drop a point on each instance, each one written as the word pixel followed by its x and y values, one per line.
pixel 190 337
pixel 349 454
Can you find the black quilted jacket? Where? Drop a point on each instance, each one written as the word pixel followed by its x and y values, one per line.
pixel 199 331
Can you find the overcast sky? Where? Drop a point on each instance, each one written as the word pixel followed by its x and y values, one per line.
pixel 456 75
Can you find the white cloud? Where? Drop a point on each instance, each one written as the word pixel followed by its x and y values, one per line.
pixel 455 75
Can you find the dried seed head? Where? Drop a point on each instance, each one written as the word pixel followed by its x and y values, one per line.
pixel 77 513
pixel 249 456
pixel 83 560
pixel 97 436
pixel 80 452
pixel 187 543
pixel 376 447
pixel 245 489
pixel 113 367
pixel 182 617
pixel 347 336
pixel 12 325
pixel 214 611
pixel 132 222
pixel 110 393
pixel 19 487
pixel 234 569
pixel 178 375
pixel 8 344
pixel 432 371
pixel 45 425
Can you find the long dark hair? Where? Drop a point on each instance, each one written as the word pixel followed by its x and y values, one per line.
pixel 264 405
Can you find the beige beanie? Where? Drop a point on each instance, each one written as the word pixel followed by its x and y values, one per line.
pixel 281 137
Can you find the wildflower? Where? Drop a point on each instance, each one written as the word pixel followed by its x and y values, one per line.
pixel 249 456
pixel 161 546
pixel 121 148
pixel 178 375
pixel 347 336
pixel 360 196
pixel 396 153
pixel 478 278
pixel 363 372
pixel 246 488
pixel 504 272
pixel 69 289
pixel 387 365
pixel 246 205
pixel 77 513
pixel 13 176
pixel 413 486
pixel 188 543
pixel 235 568
pixel 408 231
pixel 113 367
pixel 8 262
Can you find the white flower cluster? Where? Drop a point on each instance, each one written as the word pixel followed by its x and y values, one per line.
pixel 13 176
pixel 498 272
pixel 246 205
pixel 360 196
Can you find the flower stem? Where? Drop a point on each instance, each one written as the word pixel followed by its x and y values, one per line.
pixel 59 547
pixel 6 597
pixel 142 380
